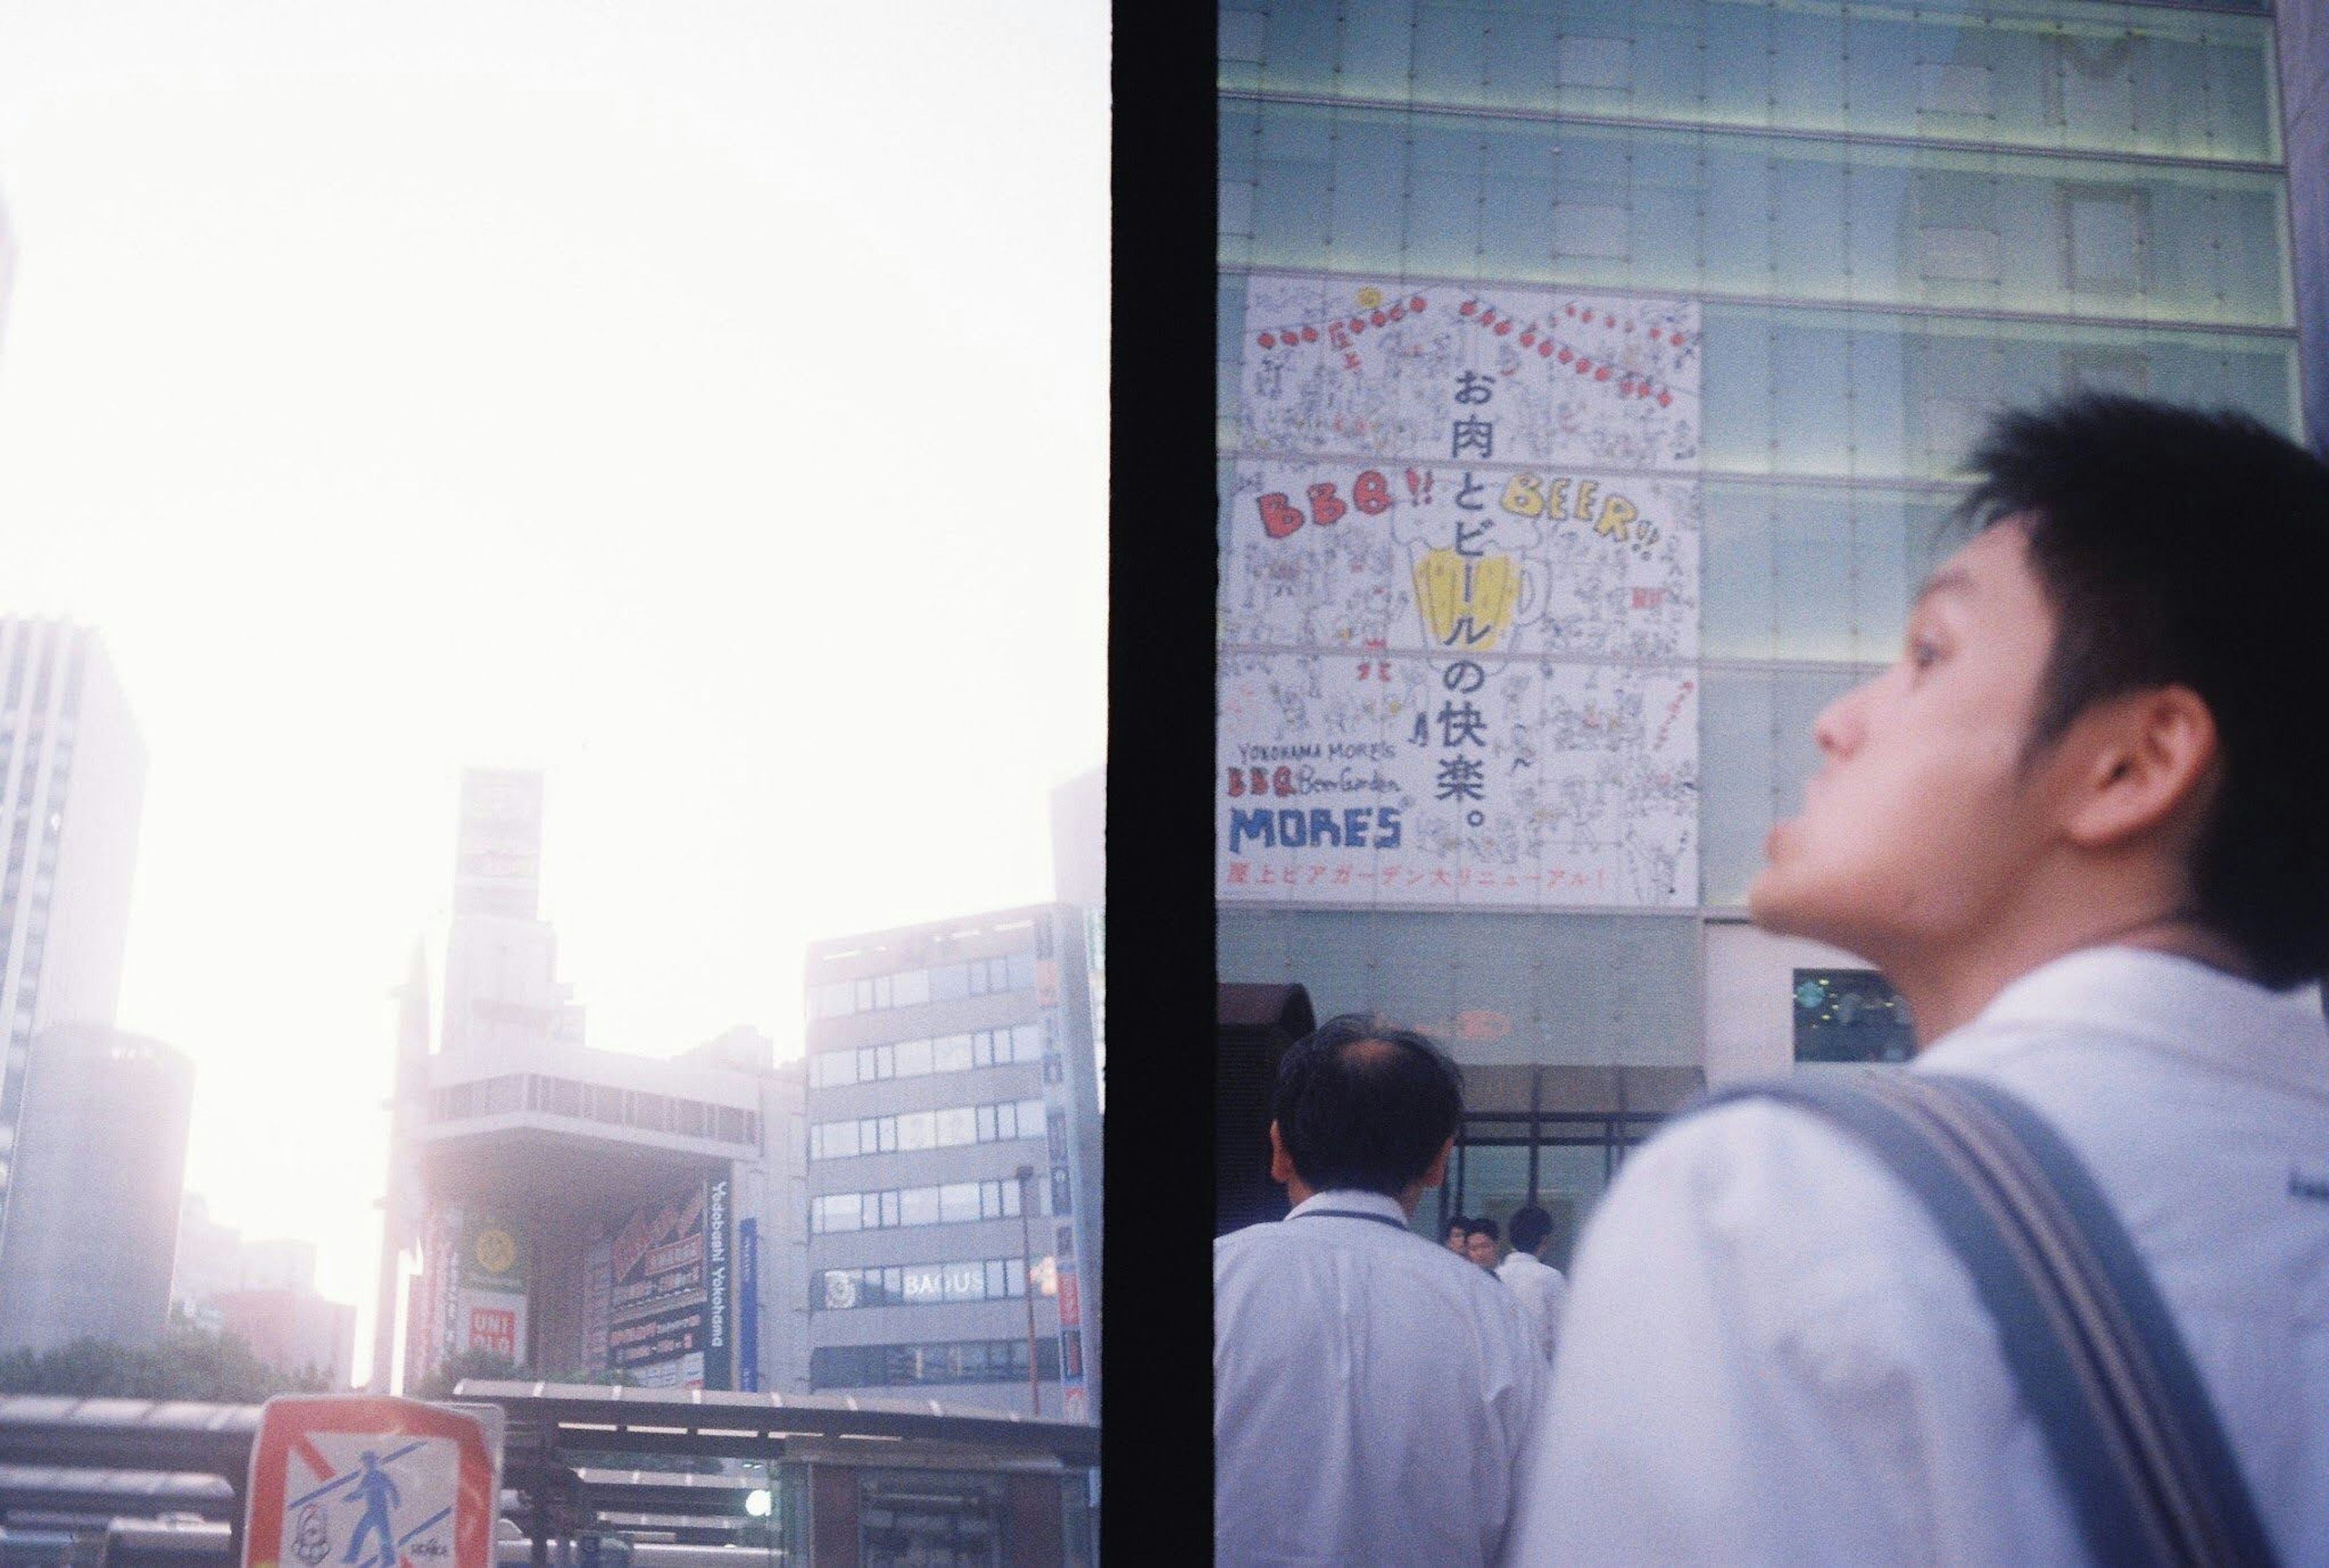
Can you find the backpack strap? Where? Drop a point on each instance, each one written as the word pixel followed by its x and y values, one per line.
pixel 2135 1437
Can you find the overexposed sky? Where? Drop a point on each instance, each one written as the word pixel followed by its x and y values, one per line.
pixel 702 402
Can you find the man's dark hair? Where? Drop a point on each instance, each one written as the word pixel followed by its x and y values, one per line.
pixel 1359 1105
pixel 1459 1222
pixel 1481 1226
pixel 1531 1225
pixel 2182 547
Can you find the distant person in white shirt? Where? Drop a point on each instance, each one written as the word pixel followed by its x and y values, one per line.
pixel 2082 825
pixel 1371 1392
pixel 1538 1284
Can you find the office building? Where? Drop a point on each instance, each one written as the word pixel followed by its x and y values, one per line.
pixel 100 1165
pixel 1591 378
pixel 954 1164
pixel 72 778
pixel 585 1212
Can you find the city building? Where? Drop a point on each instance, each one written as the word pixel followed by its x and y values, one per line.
pixel 954 1164
pixel 586 1213
pixel 1590 381
pixel 260 1290
pixel 100 1164
pixel 73 775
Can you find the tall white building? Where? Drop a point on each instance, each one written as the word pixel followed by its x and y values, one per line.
pixel 502 992
pixel 73 775
pixel 585 1212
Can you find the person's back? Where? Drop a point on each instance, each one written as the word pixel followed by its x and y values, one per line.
pixel 1828 1388
pixel 1541 1290
pixel 2076 825
pixel 1372 1393
pixel 1375 1422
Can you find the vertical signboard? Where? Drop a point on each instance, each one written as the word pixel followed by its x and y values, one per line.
pixel 659 1303
pixel 490 1315
pixel 718 1349
pixel 747 1305
pixel 598 1302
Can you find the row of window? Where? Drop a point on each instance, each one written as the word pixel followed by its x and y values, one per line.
pixel 516 1092
pixel 1635 208
pixel 930 1284
pixel 947 1361
pixel 908 1130
pixel 916 1058
pixel 951 1203
pixel 2036 73
pixel 918 987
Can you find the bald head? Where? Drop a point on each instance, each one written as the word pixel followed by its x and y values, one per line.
pixel 1362 1105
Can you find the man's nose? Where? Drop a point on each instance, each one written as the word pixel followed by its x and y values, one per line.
pixel 1838 728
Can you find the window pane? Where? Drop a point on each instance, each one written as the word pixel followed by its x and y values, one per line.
pixel 918 1205
pixel 951 1054
pixel 912 988
pixel 958 1201
pixel 917 1129
pixel 913 1058
pixel 948 982
pixel 956 1124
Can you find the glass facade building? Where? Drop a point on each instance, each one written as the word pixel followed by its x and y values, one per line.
pixel 1754 272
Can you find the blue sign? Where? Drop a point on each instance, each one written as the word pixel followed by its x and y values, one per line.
pixel 748 1310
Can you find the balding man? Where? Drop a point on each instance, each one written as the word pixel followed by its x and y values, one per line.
pixel 1371 1391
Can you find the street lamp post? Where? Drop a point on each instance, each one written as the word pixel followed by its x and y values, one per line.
pixel 1027 1288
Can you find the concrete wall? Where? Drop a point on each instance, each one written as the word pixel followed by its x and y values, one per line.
pixel 2303 30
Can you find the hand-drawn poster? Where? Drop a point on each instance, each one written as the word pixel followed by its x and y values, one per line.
pixel 1459 608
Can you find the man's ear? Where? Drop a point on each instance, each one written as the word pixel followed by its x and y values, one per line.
pixel 2151 755
pixel 1438 1171
pixel 1281 1164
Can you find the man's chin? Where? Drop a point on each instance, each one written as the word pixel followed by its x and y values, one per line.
pixel 1776 907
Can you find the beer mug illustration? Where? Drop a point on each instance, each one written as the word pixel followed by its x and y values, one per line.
pixel 1473 603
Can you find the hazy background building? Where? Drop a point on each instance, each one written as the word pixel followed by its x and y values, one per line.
pixel 262 1290
pixel 1591 380
pixel 1080 877
pixel 100 1166
pixel 954 1157
pixel 71 778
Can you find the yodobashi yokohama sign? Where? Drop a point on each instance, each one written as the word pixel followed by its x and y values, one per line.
pixel 375 1482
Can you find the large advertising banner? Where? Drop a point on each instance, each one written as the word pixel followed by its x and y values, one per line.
pixel 662 1319
pixel 1459 600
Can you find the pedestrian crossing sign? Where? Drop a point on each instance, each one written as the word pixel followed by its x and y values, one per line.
pixel 365 1482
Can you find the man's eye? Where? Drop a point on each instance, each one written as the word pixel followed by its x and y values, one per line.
pixel 1923 654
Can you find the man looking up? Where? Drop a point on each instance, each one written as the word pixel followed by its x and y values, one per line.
pixel 1539 1285
pixel 2080 826
pixel 1370 1391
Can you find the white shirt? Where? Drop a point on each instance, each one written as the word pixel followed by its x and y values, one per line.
pixel 1771 1356
pixel 1372 1395
pixel 1541 1290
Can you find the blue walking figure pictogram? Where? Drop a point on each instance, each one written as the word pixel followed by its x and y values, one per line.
pixel 378 1491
